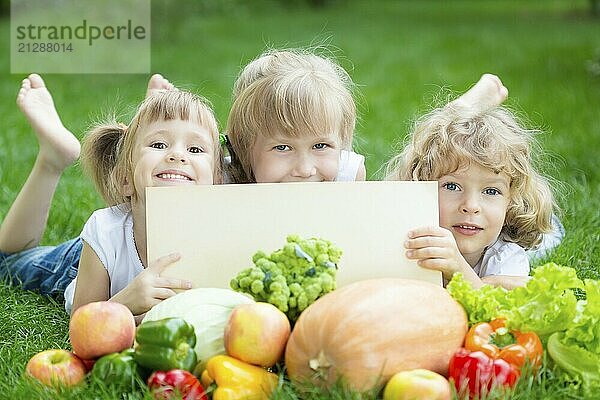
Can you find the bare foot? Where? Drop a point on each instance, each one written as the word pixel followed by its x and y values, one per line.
pixel 487 93
pixel 58 147
pixel 156 83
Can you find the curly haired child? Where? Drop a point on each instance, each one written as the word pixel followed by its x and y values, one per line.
pixel 493 203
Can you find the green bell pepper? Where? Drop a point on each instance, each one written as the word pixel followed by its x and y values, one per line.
pixel 166 344
pixel 119 369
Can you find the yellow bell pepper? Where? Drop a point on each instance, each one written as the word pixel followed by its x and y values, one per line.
pixel 237 380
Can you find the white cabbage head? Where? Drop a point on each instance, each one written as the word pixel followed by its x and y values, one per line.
pixel 208 310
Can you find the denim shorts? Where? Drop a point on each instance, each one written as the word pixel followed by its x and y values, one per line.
pixel 46 269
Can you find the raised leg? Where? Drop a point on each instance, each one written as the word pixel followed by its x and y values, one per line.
pixel 487 93
pixel 156 83
pixel 26 220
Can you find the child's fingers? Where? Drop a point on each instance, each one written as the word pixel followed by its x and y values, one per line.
pixel 436 264
pixel 162 293
pixel 427 253
pixel 426 241
pixel 159 265
pixel 426 231
pixel 149 303
pixel 173 283
pixel 432 263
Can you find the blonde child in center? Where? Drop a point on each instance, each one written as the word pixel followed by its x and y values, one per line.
pixel 493 203
pixel 292 120
pixel 172 140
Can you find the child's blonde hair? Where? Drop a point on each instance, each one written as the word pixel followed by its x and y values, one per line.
pixel 449 138
pixel 108 148
pixel 291 93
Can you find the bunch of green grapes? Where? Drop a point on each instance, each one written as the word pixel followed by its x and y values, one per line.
pixel 293 277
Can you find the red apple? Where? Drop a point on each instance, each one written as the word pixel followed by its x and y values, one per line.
pixel 56 368
pixel 257 333
pixel 101 328
pixel 417 384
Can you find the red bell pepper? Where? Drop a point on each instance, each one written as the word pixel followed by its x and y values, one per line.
pixel 478 373
pixel 495 340
pixel 176 383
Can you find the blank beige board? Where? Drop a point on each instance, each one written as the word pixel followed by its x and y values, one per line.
pixel 217 229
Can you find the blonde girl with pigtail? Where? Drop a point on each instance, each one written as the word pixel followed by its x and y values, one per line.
pixel 493 202
pixel 172 140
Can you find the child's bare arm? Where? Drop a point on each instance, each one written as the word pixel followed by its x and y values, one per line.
pixel 142 293
pixel 435 248
pixel 506 281
pixel 93 282
pixel 361 175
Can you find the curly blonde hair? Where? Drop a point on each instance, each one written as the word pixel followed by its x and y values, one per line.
pixel 292 93
pixel 448 138
pixel 108 147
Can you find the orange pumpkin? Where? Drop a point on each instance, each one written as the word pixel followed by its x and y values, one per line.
pixel 370 330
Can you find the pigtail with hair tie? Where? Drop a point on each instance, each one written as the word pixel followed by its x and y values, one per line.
pixel 235 170
pixel 224 139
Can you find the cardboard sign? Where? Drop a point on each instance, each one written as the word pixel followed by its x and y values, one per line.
pixel 217 229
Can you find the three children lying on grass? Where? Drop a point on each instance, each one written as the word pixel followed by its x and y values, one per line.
pixel 292 120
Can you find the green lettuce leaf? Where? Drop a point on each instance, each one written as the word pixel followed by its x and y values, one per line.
pixel 581 365
pixel 585 330
pixel 547 303
pixel 577 350
pixel 481 305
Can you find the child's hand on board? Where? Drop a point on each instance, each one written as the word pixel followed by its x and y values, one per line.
pixel 148 288
pixel 435 248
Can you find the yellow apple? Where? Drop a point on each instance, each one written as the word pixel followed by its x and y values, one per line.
pixel 417 384
pixel 257 333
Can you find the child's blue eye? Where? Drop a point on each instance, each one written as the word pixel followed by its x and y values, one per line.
pixel 159 145
pixel 282 147
pixel 492 192
pixel 450 186
pixel 321 146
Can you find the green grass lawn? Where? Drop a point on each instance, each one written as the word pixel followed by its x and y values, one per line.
pixel 400 53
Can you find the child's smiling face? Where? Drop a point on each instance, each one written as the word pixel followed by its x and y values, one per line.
pixel 304 158
pixel 473 201
pixel 171 153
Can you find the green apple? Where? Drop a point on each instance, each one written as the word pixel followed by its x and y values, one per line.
pixel 56 368
pixel 417 384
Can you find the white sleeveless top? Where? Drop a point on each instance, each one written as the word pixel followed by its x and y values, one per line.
pixel 109 232
pixel 348 167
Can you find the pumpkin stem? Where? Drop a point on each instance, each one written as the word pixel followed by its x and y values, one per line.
pixel 320 362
